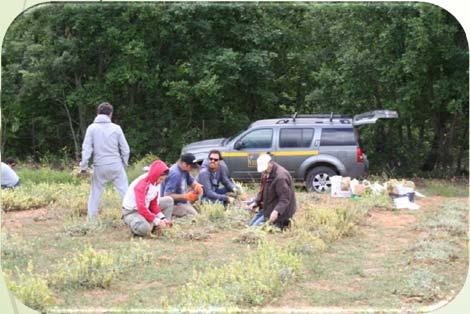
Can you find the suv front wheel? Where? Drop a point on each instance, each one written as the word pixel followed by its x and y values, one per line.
pixel 318 179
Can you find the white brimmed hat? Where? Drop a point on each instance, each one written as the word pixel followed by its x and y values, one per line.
pixel 262 162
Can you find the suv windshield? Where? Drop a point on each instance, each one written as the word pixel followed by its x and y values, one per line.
pixel 228 139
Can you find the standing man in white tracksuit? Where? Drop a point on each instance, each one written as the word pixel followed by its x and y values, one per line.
pixel 106 142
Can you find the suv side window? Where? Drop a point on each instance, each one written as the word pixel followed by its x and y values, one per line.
pixel 261 138
pixel 294 138
pixel 337 137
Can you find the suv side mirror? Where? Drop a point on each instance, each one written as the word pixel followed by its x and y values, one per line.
pixel 238 145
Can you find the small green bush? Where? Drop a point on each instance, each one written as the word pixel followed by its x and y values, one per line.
pixel 328 224
pixel 136 254
pixel 212 212
pixel 370 201
pixel 87 269
pixel 253 281
pixel 28 197
pixel 31 289
pixel 305 242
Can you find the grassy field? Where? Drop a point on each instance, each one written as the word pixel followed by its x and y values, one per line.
pixel 339 253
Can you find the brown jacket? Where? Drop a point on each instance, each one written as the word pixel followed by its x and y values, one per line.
pixel 279 195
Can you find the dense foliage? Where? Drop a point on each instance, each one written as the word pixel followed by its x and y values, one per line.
pixel 180 72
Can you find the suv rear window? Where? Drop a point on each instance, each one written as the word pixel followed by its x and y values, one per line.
pixel 337 137
pixel 295 138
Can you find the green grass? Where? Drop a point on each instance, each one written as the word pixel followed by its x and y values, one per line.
pixel 46 175
pixel 446 188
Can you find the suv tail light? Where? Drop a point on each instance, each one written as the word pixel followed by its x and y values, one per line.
pixel 359 154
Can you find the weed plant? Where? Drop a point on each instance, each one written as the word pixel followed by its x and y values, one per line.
pixel 251 236
pixel 450 218
pixel 422 285
pixel 130 258
pixel 432 251
pixel 15 252
pixel 380 201
pixel 328 224
pixel 29 197
pixel 250 282
pixel 87 269
pixel 33 290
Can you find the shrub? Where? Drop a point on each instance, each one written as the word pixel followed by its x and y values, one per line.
pixel 138 253
pixel 253 281
pixel 328 224
pixel 72 199
pixel 212 212
pixel 31 289
pixel 87 269
pixel 217 216
pixel 370 201
pixel 29 197
pixel 306 243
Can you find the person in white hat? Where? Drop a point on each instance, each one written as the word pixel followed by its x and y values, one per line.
pixel 276 198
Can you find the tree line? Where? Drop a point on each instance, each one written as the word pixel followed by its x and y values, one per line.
pixel 181 72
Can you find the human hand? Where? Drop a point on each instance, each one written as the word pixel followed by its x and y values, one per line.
pixel 165 223
pixel 273 217
pixel 230 200
pixel 198 188
pixel 191 196
pixel 252 207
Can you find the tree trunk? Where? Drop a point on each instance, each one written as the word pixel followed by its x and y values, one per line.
pixel 434 157
pixel 409 133
pixel 72 130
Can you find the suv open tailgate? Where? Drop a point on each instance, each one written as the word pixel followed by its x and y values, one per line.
pixel 372 116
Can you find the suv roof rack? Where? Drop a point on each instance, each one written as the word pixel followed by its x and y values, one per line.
pixel 344 119
pixel 319 116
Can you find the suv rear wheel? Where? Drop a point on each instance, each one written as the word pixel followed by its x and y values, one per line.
pixel 318 179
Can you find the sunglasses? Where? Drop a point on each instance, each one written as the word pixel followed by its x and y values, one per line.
pixel 213 159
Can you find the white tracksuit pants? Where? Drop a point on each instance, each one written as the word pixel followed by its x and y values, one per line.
pixel 114 173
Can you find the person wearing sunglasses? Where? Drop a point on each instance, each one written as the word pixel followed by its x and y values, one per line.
pixel 215 180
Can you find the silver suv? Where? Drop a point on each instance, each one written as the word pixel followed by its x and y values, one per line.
pixel 311 147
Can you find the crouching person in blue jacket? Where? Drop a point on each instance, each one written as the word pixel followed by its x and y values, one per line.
pixel 214 176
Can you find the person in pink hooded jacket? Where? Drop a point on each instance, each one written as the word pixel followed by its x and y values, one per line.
pixel 143 208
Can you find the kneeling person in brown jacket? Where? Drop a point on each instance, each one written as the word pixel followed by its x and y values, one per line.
pixel 276 198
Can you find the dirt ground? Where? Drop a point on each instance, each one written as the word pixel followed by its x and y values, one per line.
pixel 383 234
